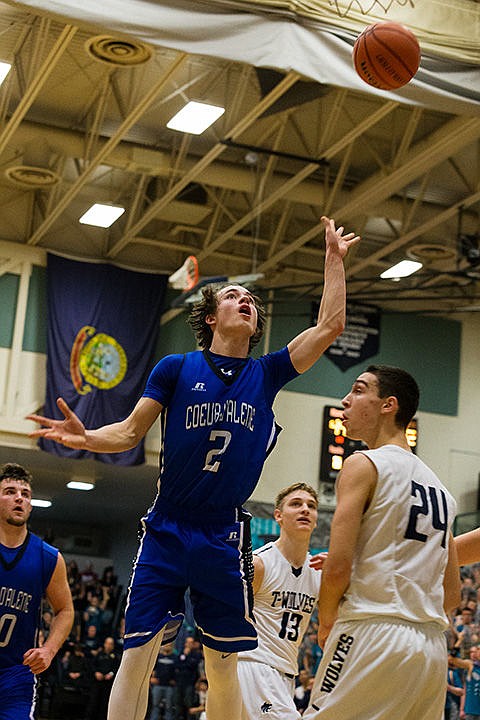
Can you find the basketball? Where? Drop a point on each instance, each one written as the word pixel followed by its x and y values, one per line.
pixel 386 55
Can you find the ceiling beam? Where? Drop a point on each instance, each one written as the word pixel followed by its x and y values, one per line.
pixel 125 126
pixel 213 153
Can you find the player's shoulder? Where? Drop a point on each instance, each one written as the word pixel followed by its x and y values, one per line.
pixel 48 550
pixel 265 550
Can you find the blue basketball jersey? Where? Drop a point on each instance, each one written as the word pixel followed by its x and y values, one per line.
pixel 25 573
pixel 217 428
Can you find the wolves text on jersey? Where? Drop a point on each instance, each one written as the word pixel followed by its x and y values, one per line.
pixel 14 599
pixel 291 600
pixel 335 666
pixel 210 413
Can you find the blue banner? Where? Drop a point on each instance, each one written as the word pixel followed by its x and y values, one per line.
pixel 103 326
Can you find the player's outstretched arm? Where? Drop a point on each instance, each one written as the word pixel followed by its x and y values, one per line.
pixel 468 547
pixel 60 600
pixel 310 345
pixel 451 582
pixel 116 437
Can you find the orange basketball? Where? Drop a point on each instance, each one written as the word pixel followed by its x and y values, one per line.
pixel 386 55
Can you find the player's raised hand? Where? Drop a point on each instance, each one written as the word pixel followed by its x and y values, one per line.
pixel 317 561
pixel 335 239
pixel 70 431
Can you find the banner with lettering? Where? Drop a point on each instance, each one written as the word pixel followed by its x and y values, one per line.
pixel 103 326
pixel 359 341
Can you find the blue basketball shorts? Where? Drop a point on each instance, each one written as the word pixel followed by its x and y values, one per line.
pixel 17 693
pixel 213 560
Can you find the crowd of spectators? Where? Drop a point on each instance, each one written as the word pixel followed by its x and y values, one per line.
pixel 78 683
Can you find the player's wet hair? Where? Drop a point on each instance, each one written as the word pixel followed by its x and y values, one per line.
pixel 294 488
pixel 399 383
pixel 208 306
pixel 13 471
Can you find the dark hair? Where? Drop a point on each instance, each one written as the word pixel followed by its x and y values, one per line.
pixel 293 488
pixel 12 471
pixel 208 306
pixel 397 382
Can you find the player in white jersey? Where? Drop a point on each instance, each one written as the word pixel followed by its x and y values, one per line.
pixel 285 595
pixel 392 571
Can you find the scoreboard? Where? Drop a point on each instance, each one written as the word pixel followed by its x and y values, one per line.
pixel 336 446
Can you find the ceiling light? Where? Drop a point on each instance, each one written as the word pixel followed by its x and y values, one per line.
pixel 401 269
pixel 36 502
pixel 4 70
pixel 195 117
pixel 101 215
pixel 80 485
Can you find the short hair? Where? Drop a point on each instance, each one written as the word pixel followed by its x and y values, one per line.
pixel 13 471
pixel 397 382
pixel 208 306
pixel 293 488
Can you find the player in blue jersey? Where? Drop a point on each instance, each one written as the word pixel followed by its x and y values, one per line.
pixel 217 429
pixel 28 569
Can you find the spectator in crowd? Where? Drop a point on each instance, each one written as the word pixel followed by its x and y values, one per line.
pixel 104 667
pixel 465 631
pixel 162 684
pixel 470 701
pixel 93 612
pixel 197 710
pixel 311 651
pixel 301 696
pixel 186 675
pixel 88 576
pixel 455 690
pixel 119 635
pixel 91 642
pixel 76 669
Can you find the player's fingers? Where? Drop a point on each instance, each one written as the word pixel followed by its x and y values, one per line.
pixel 38 419
pixel 64 408
pixel 328 222
pixel 353 241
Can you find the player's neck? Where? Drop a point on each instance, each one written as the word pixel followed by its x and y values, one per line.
pixel 293 550
pixel 230 346
pixel 12 536
pixel 388 436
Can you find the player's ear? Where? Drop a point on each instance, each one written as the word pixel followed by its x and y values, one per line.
pixel 277 514
pixel 390 404
pixel 210 319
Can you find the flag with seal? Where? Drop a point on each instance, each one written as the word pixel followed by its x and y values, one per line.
pixel 103 326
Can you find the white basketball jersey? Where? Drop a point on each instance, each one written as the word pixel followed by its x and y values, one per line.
pixel 282 608
pixel 402 550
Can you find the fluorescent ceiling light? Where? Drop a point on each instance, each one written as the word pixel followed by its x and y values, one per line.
pixel 101 215
pixel 401 269
pixel 80 485
pixel 195 117
pixel 4 70
pixel 36 502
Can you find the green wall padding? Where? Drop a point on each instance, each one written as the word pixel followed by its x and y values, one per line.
pixel 427 347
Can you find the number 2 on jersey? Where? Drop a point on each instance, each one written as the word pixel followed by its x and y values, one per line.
pixel 210 462
pixel 428 510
